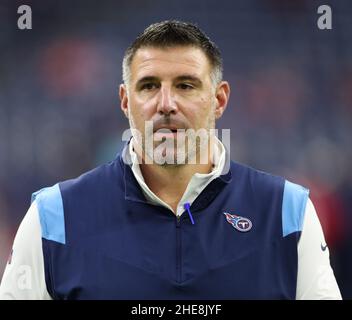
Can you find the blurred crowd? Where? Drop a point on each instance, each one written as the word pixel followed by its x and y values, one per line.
pixel 290 111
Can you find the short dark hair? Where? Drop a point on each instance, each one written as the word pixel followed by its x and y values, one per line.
pixel 172 33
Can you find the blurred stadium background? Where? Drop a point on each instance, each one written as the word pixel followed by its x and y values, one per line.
pixel 290 111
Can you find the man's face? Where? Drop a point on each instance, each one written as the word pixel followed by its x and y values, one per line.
pixel 171 87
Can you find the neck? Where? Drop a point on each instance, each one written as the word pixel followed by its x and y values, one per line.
pixel 170 182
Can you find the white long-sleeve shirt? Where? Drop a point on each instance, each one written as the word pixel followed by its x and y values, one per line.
pixel 24 277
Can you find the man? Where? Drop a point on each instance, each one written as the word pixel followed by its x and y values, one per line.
pixel 159 222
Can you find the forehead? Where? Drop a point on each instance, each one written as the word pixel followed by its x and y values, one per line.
pixel 169 62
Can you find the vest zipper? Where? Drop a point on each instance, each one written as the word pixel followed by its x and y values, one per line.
pixel 178 249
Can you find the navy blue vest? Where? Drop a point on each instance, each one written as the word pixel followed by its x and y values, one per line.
pixel 103 240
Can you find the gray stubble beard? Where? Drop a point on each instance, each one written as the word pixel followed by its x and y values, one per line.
pixel 147 146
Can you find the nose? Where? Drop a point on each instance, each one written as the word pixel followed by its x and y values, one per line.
pixel 166 103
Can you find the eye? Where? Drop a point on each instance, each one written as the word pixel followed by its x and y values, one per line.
pixel 185 86
pixel 148 86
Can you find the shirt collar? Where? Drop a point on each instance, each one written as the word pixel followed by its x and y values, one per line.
pixel 197 184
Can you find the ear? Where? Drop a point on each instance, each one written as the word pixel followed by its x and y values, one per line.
pixel 222 96
pixel 124 99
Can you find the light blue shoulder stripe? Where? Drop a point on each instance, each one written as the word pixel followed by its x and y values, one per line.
pixel 51 213
pixel 293 207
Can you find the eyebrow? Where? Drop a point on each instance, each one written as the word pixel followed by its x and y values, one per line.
pixel 188 77
pixel 147 79
pixel 185 77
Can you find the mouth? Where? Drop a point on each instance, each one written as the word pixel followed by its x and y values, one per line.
pixel 167 129
pixel 167 132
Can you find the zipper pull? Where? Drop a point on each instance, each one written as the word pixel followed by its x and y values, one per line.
pixel 187 206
